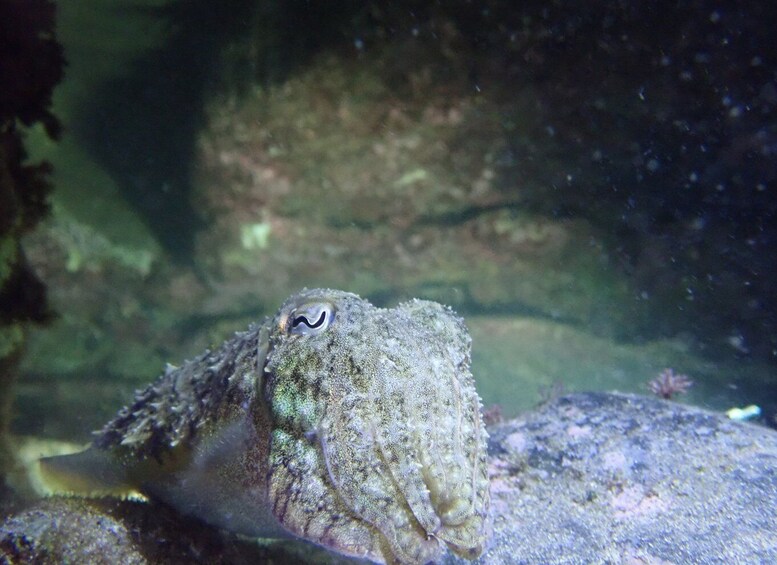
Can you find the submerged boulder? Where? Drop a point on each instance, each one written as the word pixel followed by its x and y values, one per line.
pixel 614 478
pixel 587 478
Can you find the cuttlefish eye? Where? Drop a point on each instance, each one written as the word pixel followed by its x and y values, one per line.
pixel 311 318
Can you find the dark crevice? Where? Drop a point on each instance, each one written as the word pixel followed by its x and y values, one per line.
pixel 462 215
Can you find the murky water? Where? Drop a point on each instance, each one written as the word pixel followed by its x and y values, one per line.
pixel 590 186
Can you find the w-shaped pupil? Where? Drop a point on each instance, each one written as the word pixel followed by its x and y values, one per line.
pixel 304 320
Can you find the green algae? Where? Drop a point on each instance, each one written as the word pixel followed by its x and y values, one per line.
pixel 255 236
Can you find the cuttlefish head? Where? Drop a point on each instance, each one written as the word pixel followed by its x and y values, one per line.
pixel 378 448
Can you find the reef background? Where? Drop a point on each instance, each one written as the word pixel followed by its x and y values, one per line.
pixel 590 184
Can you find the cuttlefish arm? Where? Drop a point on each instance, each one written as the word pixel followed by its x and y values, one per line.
pixel 351 426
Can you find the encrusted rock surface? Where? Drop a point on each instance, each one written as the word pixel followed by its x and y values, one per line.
pixel 588 478
pixel 72 530
pixel 612 478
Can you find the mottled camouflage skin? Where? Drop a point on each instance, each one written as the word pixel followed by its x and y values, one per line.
pixel 188 400
pixel 354 427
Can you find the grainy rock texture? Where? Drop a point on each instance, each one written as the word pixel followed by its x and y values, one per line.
pixel 72 530
pixel 588 478
pixel 611 478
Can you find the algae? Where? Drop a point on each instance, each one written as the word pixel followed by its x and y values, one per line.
pixel 255 236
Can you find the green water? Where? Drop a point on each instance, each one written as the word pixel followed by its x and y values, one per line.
pixel 591 194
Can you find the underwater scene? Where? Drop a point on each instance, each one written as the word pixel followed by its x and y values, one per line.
pixel 390 282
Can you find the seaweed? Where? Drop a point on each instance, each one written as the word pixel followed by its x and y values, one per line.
pixel 31 65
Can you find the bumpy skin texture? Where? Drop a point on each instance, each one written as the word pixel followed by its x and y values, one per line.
pixel 354 427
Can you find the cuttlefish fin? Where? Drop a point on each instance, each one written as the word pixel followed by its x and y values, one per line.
pixel 93 472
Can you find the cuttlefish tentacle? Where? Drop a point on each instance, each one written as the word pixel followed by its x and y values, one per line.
pixel 456 481
pixel 363 474
pixel 442 448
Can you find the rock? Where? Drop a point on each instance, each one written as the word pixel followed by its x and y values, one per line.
pixel 614 478
pixel 425 210
pixel 73 530
pixel 67 530
pixel 588 478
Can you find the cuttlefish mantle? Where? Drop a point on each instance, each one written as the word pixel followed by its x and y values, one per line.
pixel 354 427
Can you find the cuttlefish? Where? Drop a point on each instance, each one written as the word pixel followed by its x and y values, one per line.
pixel 353 427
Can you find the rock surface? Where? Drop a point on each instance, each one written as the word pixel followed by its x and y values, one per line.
pixel 588 478
pixel 611 478
pixel 72 530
